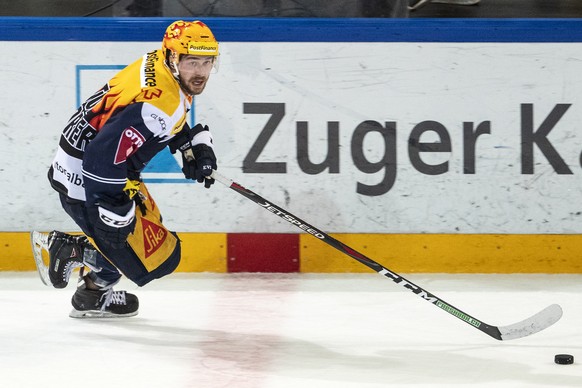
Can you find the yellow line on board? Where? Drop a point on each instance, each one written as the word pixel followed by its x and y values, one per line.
pixel 16 252
pixel 448 253
pixel 201 252
pixel 406 253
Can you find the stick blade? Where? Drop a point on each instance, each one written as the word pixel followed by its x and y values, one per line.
pixel 536 323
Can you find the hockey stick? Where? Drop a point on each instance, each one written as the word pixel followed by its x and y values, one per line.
pixel 529 326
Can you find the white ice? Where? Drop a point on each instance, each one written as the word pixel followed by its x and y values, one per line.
pixel 297 330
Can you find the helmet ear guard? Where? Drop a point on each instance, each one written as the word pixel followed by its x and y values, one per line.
pixel 172 60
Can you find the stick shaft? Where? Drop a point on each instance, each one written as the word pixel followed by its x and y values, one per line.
pixel 375 266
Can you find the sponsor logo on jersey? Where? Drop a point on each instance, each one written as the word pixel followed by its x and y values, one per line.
pixel 179 125
pixel 153 237
pixel 149 69
pixel 129 143
pixel 72 177
pixel 160 120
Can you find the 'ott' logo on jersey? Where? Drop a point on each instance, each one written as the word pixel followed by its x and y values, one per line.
pixel 153 237
pixel 130 141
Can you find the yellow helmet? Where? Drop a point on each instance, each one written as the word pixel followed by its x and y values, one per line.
pixel 194 38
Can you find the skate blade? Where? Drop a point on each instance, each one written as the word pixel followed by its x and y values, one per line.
pixel 39 241
pixel 98 314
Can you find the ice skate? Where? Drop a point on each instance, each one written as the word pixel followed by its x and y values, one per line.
pixel 65 253
pixel 103 302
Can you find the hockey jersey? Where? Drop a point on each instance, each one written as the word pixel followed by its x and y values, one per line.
pixel 118 130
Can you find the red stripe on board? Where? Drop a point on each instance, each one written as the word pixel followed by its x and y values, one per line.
pixel 262 252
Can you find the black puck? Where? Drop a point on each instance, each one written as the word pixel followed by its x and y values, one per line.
pixel 564 359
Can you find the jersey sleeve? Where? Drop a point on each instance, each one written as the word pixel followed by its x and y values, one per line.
pixel 105 161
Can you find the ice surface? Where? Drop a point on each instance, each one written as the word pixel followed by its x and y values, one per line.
pixel 295 330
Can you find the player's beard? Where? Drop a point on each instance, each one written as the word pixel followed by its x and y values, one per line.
pixel 194 85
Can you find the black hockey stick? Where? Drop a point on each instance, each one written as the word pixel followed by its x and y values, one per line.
pixel 529 326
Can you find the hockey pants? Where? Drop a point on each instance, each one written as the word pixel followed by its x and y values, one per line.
pixel 151 253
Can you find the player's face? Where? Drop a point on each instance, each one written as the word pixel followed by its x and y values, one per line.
pixel 194 72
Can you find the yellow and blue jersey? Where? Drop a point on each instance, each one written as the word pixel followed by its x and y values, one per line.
pixel 118 130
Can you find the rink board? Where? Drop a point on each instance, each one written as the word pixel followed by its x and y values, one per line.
pixel 423 253
pixel 479 86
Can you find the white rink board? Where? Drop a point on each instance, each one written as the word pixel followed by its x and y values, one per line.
pixel 317 83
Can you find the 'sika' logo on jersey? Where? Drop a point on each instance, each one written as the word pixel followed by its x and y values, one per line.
pixel 130 141
pixel 153 237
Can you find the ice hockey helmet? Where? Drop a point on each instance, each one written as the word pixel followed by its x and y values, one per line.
pixel 194 38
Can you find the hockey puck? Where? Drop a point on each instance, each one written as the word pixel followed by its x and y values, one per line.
pixel 564 359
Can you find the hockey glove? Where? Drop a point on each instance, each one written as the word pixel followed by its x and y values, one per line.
pixel 198 159
pixel 109 226
pixel 200 168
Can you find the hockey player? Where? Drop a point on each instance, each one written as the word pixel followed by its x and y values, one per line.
pixel 96 171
